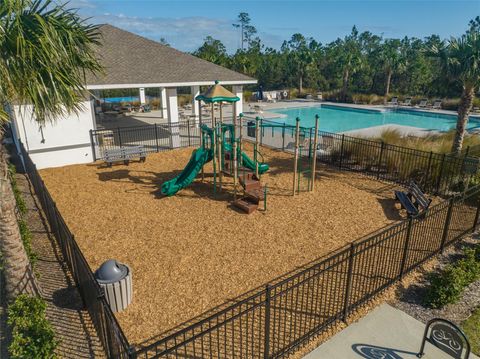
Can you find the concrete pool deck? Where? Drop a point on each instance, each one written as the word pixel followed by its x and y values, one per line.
pixel 251 110
pixel 385 332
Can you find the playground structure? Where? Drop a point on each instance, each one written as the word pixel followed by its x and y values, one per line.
pixel 222 144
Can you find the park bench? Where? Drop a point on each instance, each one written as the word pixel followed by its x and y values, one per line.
pixel 124 154
pixel 413 200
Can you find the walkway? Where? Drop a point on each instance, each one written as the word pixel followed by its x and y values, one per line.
pixel 385 332
pixel 71 322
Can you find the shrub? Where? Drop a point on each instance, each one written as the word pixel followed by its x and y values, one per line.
pixel 447 286
pixel 27 242
pixel 21 205
pixel 32 334
pixel 155 103
pixel 22 224
pixel 470 265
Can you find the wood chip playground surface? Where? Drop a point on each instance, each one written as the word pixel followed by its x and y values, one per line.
pixel 192 252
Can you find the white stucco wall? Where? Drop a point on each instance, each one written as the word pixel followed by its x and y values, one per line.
pixel 58 143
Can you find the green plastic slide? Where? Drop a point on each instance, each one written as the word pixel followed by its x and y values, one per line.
pixel 247 161
pixel 199 157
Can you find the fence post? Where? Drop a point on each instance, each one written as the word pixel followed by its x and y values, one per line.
pixel 156 137
pixel 427 174
pixel 132 353
pixel 380 159
pixel 310 144
pixel 341 152
pixel 94 154
pixel 439 180
pixel 348 288
pixel 119 137
pixel 266 353
pixel 405 248
pixel 262 132
pixel 188 132
pixel 477 214
pixel 447 224
pixel 283 137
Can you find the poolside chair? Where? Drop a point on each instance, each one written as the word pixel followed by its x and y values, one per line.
pixel 393 102
pixel 423 103
pixel 325 145
pixel 269 97
pixel 407 102
pixel 437 105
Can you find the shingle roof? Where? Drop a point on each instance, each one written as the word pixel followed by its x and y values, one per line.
pixel 131 59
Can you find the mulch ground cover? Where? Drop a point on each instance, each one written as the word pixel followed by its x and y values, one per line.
pixel 193 251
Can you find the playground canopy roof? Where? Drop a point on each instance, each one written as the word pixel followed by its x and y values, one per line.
pixel 217 93
pixel 132 61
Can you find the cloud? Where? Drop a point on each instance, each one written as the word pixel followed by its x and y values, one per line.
pixel 185 33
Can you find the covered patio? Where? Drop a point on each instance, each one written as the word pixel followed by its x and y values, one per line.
pixel 144 66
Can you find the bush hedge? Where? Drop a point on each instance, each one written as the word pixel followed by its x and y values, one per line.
pixel 22 224
pixel 32 335
pixel 446 286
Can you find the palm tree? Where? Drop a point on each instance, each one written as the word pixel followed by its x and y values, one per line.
pixel 299 55
pixel 392 60
pixel 350 58
pixel 460 60
pixel 45 52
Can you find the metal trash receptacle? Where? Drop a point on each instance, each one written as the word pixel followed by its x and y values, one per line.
pixel 116 280
pixel 251 128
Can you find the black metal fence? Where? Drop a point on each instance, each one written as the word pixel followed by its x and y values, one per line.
pixel 108 329
pixel 443 174
pixel 275 321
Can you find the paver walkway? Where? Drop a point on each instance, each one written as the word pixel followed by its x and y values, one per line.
pixel 72 324
pixel 385 332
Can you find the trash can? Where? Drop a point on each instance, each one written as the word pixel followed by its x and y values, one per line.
pixel 251 128
pixel 116 280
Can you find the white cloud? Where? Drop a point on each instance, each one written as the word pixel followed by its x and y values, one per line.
pixel 185 33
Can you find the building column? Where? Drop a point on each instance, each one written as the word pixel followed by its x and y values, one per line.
pixel 196 104
pixel 238 91
pixel 142 96
pixel 163 102
pixel 172 113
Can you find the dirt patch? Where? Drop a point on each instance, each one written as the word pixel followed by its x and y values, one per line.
pixel 192 251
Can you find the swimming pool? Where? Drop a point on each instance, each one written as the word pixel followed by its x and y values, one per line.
pixel 341 119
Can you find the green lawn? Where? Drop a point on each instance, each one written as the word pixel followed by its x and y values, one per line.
pixel 472 329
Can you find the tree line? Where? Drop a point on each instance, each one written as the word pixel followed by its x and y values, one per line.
pixel 360 62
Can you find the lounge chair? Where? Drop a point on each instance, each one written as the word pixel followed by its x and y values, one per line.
pixel 393 102
pixel 325 145
pixel 437 105
pixel 269 97
pixel 423 103
pixel 407 102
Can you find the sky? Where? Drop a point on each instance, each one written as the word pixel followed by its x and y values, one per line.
pixel 185 24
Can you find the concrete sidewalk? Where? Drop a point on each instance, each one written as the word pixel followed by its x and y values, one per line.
pixel 386 332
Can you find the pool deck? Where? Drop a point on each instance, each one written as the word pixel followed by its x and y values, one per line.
pixel 264 110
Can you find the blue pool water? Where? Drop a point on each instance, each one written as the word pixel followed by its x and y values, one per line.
pixel 340 119
pixel 122 99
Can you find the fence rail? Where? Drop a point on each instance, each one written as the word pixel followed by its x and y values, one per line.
pixel 274 321
pixel 108 329
pixel 442 174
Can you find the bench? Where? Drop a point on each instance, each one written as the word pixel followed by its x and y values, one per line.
pixel 124 154
pixel 413 200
